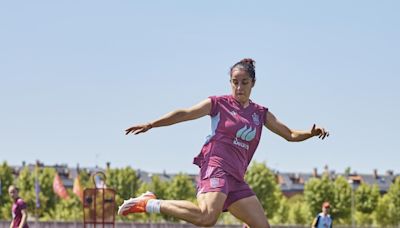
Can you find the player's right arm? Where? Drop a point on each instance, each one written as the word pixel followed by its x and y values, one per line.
pixel 199 110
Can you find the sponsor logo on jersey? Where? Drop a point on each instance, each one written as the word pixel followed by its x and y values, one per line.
pixel 241 144
pixel 246 134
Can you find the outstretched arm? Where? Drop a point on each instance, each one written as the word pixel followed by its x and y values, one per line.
pixel 273 124
pixel 199 110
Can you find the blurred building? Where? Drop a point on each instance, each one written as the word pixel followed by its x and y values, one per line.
pixel 291 183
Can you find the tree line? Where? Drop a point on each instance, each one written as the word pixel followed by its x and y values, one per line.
pixel 363 205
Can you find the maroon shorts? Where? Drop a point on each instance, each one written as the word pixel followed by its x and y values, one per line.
pixel 214 179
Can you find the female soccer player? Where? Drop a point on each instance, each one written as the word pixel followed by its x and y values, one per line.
pixel 237 123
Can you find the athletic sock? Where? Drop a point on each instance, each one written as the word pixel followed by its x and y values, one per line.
pixel 153 206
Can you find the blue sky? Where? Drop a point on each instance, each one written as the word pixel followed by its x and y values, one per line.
pixel 75 74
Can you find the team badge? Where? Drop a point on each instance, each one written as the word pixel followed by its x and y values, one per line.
pixel 214 182
pixel 256 119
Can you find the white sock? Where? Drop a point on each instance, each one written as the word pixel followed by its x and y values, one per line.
pixel 153 206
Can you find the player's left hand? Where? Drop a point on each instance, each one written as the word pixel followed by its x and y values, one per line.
pixel 319 131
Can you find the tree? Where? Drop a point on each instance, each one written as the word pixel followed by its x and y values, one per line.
pixel 85 178
pixel 159 188
pixel 6 179
pixel 125 182
pixel 299 213
pixel 25 184
pixel 181 187
pixel 341 203
pixel 47 197
pixel 394 194
pixel 388 209
pixel 65 210
pixel 347 171
pixel 317 191
pixel 385 213
pixel 263 182
pixel 156 186
pixel 281 216
pixel 366 201
pixel 338 193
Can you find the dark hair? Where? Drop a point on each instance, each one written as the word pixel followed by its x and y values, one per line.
pixel 246 65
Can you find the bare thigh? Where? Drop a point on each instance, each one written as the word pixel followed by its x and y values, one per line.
pixel 211 202
pixel 250 211
pixel 206 213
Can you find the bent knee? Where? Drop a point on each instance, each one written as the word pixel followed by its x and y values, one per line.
pixel 207 220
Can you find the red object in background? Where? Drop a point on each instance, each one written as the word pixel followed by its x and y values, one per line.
pixel 77 189
pixel 59 188
pixel 99 205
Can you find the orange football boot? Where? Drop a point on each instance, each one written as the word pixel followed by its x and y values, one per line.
pixel 136 205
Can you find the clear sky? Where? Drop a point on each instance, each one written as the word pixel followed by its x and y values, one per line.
pixel 75 74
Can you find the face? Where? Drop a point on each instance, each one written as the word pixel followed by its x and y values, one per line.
pixel 242 84
pixel 13 193
pixel 325 210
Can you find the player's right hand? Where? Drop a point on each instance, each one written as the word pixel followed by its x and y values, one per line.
pixel 137 129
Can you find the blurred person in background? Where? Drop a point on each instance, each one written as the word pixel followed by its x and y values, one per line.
pixel 323 219
pixel 18 210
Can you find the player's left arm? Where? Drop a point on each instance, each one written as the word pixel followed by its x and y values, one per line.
pixel 274 125
pixel 24 218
